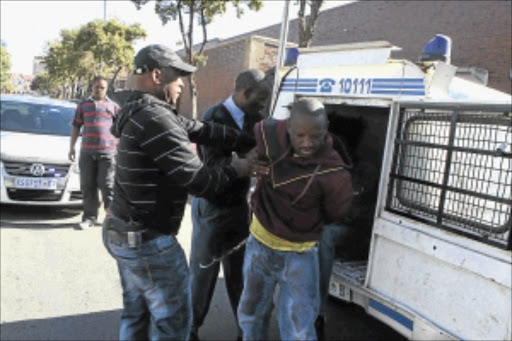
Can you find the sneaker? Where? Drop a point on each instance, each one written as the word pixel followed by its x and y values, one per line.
pixel 84 225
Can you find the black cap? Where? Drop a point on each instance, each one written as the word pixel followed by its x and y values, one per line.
pixel 159 56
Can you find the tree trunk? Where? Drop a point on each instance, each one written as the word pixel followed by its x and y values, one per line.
pixel 111 86
pixel 193 96
pixel 73 88
pixel 307 26
pixel 193 85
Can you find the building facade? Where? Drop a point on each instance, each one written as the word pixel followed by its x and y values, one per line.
pixel 226 59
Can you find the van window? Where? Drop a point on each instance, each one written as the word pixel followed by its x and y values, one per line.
pixel 453 169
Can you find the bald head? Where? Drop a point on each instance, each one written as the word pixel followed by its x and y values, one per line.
pixel 309 108
pixel 307 127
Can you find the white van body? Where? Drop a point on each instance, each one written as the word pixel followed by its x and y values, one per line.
pixel 439 263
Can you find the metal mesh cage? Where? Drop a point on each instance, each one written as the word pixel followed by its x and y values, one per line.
pixel 453 170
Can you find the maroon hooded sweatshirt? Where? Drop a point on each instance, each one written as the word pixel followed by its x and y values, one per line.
pixel 299 196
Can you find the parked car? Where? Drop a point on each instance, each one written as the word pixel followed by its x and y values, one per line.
pixel 34 139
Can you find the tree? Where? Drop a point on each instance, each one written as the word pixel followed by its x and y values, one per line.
pixel 307 25
pixel 43 84
pixel 5 69
pixel 110 43
pixel 187 11
pixel 98 47
pixel 61 61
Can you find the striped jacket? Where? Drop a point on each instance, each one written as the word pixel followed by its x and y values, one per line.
pixel 155 167
pixel 97 118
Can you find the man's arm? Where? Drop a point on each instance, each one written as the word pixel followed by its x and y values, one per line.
pixel 74 136
pixel 338 196
pixel 166 142
pixel 75 131
pixel 216 154
pixel 209 133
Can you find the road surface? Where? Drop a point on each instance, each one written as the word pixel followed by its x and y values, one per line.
pixel 59 283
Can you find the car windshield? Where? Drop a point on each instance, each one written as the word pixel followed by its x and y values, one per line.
pixel 36 118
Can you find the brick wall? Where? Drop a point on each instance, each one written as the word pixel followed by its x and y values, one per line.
pixel 216 80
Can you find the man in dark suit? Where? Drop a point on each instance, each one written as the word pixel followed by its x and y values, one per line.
pixel 222 223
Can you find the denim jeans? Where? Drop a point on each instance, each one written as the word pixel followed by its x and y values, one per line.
pixel 216 230
pixel 96 172
pixel 298 301
pixel 156 291
pixel 332 236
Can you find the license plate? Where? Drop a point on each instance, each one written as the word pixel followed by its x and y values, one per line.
pixel 339 290
pixel 35 183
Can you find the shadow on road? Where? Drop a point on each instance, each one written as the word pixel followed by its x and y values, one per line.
pixel 344 322
pixel 94 326
pixel 8 224
pixel 38 218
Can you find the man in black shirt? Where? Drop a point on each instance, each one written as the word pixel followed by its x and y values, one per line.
pixel 222 223
pixel 155 171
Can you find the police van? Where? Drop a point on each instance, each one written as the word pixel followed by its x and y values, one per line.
pixel 432 156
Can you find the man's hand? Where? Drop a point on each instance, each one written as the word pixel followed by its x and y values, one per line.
pixel 258 167
pixel 241 166
pixel 71 154
pixel 250 166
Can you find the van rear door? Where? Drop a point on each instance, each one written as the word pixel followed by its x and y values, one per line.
pixel 441 239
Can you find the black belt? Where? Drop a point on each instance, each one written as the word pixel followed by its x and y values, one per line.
pixel 130 233
pixel 132 238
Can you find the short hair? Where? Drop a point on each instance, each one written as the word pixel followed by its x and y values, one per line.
pixel 250 79
pixel 97 79
pixel 308 107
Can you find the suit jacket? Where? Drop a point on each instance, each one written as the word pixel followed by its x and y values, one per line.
pixel 215 156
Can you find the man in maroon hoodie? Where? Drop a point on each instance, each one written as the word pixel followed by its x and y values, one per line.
pixel 308 186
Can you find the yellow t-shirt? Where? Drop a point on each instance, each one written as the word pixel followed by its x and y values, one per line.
pixel 277 243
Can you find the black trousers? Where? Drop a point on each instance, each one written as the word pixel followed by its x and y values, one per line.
pixel 215 231
pixel 96 172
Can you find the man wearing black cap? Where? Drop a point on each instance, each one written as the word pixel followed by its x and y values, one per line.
pixel 155 171
pixel 222 223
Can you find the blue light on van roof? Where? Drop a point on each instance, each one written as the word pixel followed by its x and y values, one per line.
pixel 438 48
pixel 292 54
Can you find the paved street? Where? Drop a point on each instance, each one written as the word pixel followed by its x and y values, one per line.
pixel 58 283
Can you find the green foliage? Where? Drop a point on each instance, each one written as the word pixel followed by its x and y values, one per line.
pixel 98 47
pixel 110 44
pixel 61 58
pixel 5 70
pixel 43 84
pixel 200 59
pixel 187 12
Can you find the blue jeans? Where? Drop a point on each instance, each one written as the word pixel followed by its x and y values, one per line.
pixel 332 236
pixel 216 231
pixel 96 172
pixel 299 299
pixel 156 292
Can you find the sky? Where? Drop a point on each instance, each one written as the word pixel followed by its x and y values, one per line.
pixel 27 26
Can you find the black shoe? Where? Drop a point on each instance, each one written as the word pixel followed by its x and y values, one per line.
pixel 193 336
pixel 320 328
